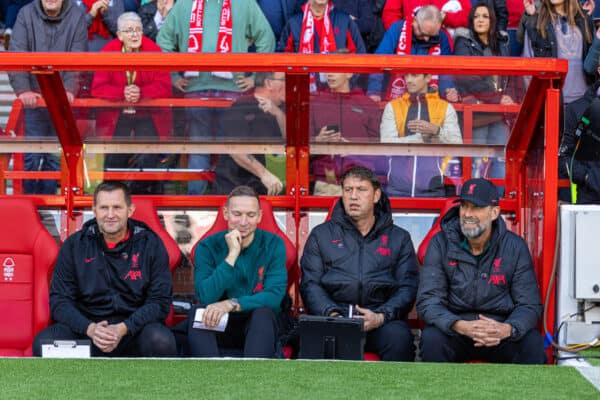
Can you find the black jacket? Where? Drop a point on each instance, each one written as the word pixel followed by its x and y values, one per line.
pixel 582 163
pixel 483 87
pixel 341 267
pixel 130 283
pixel 501 285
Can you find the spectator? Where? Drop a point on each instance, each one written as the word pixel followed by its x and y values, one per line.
pixel 454 12
pixel 591 64
pixel 501 11
pixel 378 31
pixel 30 34
pixel 278 13
pixel 421 35
pixel 340 114
pixel 242 272
pixel 482 39
pixel 101 20
pixel 131 87
pixel 419 116
pixel 213 24
pixel 112 283
pixel 478 294
pixel 11 9
pixel 562 29
pixel 359 258
pixel 579 152
pixel 361 12
pixel 260 115
pixel 515 8
pixel 153 15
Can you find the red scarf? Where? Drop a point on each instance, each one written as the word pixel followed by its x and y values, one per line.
pixel 225 37
pixel 307 37
pixel 97 25
pixel 397 85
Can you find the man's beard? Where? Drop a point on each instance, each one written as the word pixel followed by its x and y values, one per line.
pixel 474 233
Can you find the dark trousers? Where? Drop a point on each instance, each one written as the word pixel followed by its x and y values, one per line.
pixel 144 129
pixel 255 332
pixel 39 125
pixel 392 342
pixel 436 346
pixel 154 340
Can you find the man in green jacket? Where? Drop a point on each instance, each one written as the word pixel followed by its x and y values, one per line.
pixel 217 26
pixel 240 272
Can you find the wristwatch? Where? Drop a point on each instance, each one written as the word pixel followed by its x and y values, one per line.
pixel 514 332
pixel 235 303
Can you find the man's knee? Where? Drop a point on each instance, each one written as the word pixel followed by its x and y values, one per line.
pixel 395 342
pixel 264 315
pixel 434 345
pixel 156 340
pixel 530 349
pixel 50 334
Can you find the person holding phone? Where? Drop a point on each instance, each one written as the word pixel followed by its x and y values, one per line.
pixel 342 114
pixel 240 271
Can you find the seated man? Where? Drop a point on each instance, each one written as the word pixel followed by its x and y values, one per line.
pixel 256 116
pixel 478 295
pixel 342 114
pixel 112 283
pixel 419 116
pixel 360 258
pixel 242 272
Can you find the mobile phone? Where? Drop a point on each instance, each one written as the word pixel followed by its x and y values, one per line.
pixel 333 127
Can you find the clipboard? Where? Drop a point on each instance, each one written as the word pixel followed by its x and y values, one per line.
pixel 66 348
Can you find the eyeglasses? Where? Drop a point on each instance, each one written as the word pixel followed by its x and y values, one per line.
pixel 131 31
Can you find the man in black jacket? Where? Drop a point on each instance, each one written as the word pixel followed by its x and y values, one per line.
pixel 478 295
pixel 360 258
pixel 112 283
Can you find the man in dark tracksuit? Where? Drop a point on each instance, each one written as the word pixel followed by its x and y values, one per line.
pixel 478 295
pixel 361 258
pixel 112 283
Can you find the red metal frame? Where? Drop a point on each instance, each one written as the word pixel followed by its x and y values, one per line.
pixel 531 179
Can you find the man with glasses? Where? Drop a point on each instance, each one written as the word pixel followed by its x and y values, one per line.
pixel 30 34
pixel 418 35
pixel 257 116
pixel 131 87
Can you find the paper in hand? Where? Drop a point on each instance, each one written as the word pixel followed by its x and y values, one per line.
pixel 198 324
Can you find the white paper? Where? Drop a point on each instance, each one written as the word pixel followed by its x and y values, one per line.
pixel 191 74
pixel 222 74
pixel 66 349
pixel 200 325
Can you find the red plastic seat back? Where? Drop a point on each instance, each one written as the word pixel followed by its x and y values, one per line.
pixel 450 203
pixel 27 254
pixel 267 223
pixel 146 212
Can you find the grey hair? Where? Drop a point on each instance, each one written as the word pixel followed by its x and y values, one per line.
pixel 429 13
pixel 127 16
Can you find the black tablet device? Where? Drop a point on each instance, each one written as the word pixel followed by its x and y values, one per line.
pixel 330 338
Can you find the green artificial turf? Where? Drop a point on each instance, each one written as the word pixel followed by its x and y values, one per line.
pixel 593 356
pixel 280 379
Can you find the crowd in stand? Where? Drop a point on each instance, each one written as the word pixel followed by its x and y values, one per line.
pixel 482 28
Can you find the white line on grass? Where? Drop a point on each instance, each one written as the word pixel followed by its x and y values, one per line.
pixel 592 374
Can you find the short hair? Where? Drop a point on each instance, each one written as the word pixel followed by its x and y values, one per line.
pixel 429 13
pixel 127 16
pixel 111 186
pixel 243 191
pixel 261 77
pixel 362 173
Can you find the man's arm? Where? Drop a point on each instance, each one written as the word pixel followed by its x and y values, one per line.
pixel 64 291
pixel 212 277
pixel 19 42
pixel 252 165
pixel 432 296
pixel 450 130
pixel 406 274
pixel 525 294
pixel 275 280
pixel 258 29
pixel 110 16
pixel 315 297
pixel 159 294
pixel 590 64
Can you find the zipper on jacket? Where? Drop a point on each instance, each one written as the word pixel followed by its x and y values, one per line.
pixel 360 269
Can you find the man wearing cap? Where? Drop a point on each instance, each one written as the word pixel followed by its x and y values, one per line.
pixel 478 294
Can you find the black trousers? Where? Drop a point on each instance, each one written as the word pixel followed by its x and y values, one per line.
pixel 154 340
pixel 254 332
pixel 436 346
pixel 142 128
pixel 392 342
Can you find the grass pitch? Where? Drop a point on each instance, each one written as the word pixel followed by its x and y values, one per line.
pixel 281 379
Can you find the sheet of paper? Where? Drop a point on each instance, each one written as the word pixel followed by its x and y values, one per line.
pixel 191 74
pixel 222 74
pixel 66 349
pixel 200 325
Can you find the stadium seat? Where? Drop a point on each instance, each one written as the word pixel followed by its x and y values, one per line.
pixel 269 224
pixel 27 256
pixel 146 212
pixel 449 204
